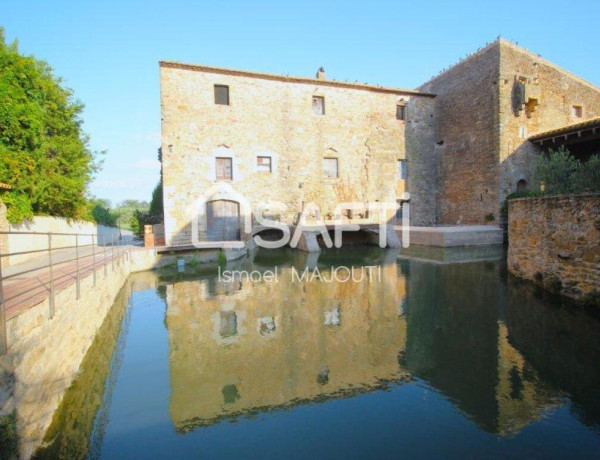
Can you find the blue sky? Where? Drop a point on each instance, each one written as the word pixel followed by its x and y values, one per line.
pixel 108 52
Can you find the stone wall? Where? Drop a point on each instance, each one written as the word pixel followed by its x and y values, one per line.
pixel 466 136
pixel 556 90
pixel 273 116
pixel 46 224
pixel 555 242
pixel 486 108
pixel 45 354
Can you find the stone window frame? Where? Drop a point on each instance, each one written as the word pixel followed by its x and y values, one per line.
pixel 323 110
pixel 577 111
pixel 337 160
pixel 402 116
pixel 223 178
pixel 258 164
pixel 228 95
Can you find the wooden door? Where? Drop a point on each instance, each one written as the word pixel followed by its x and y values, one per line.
pixel 223 220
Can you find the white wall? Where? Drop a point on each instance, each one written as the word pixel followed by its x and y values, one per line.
pixel 44 225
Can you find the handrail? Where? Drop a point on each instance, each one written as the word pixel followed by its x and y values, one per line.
pixel 102 250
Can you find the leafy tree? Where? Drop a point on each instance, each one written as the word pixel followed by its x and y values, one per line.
pixel 44 153
pixel 102 213
pixel 561 173
pixel 587 178
pixel 555 171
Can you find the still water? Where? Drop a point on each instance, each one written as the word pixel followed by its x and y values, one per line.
pixel 421 357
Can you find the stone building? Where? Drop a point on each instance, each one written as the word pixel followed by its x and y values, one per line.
pixel 235 141
pixel 487 107
pixel 231 135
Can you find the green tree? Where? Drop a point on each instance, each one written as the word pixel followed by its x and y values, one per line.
pixel 587 178
pixel 102 213
pixel 44 152
pixel 561 173
pixel 555 171
pixel 156 205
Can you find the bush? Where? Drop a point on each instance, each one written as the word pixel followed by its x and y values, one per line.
pixel 141 218
pixel 555 171
pixel 561 173
pixel 587 177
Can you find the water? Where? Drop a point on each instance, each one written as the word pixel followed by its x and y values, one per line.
pixel 418 358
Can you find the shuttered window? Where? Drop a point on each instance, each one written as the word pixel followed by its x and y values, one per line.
pixel 222 94
pixel 330 167
pixel 224 169
pixel 263 164
pixel 400 112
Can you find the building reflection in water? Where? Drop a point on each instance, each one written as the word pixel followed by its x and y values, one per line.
pixel 500 350
pixel 458 343
pixel 275 345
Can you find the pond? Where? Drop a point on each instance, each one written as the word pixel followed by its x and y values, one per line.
pixel 418 356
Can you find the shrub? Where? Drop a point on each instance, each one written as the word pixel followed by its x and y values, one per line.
pixel 561 173
pixel 587 177
pixel 556 170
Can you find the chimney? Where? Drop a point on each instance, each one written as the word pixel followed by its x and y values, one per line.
pixel 321 73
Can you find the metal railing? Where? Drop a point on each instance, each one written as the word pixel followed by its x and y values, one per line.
pixel 84 252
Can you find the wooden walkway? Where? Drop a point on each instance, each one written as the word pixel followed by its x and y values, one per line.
pixel 22 292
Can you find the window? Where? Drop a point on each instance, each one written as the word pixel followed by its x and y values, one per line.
pixel 263 164
pixel 577 111
pixel 330 168
pixel 222 94
pixel 224 169
pixel 522 132
pixel 228 324
pixel 318 105
pixel 400 112
pixel 402 171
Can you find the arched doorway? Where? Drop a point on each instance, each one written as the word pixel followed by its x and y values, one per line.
pixel 222 220
pixel 521 185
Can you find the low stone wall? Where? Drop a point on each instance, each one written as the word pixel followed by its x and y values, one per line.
pixel 45 354
pixel 555 242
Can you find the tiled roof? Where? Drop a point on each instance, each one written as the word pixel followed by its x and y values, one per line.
pixel 569 129
pixel 4 186
pixel 289 79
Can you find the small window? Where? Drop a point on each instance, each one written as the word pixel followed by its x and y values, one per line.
pixel 222 94
pixel 577 111
pixel 402 171
pixel 330 168
pixel 228 325
pixel 224 169
pixel 522 132
pixel 263 164
pixel 318 104
pixel 400 112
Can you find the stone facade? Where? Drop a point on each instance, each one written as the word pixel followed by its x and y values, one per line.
pixel 466 148
pixel 487 107
pixel 273 116
pixel 555 242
